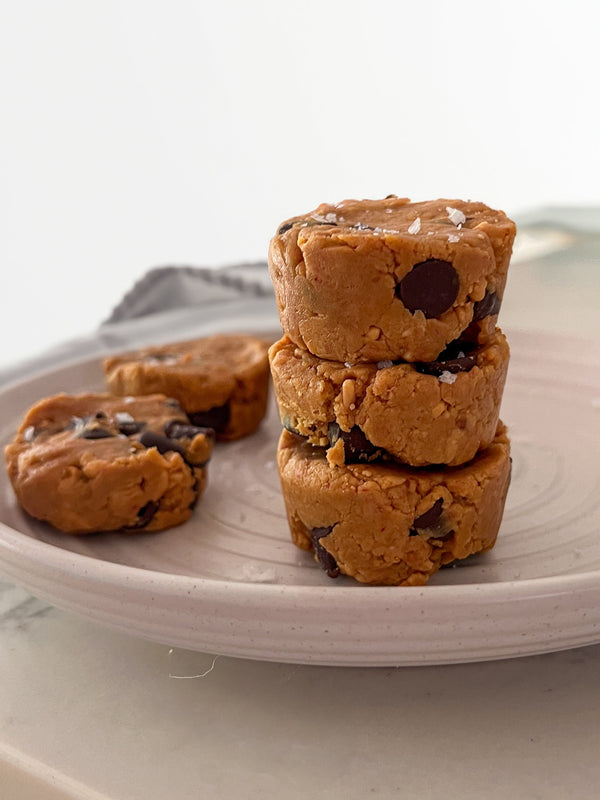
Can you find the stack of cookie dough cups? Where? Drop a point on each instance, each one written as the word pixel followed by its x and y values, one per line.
pixel 389 379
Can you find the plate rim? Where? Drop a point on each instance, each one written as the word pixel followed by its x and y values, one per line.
pixel 34 564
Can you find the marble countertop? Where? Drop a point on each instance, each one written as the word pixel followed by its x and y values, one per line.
pixel 86 712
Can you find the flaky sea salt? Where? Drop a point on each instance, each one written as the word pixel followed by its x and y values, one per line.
pixel 123 416
pixel 447 377
pixel 29 433
pixel 384 230
pixel 453 237
pixel 415 226
pixel 456 216
pixel 384 364
pixel 329 218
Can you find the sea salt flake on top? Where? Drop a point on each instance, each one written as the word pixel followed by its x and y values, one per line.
pixel 453 237
pixel 456 216
pixel 384 230
pixel 415 226
pixel 330 218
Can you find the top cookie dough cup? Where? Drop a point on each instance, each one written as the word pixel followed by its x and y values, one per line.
pixel 373 280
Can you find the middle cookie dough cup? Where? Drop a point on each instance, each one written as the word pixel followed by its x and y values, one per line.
pixel 420 419
pixel 391 524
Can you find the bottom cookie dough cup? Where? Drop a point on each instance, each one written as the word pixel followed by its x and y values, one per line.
pixel 93 462
pixel 387 524
pixel 220 381
pixel 440 412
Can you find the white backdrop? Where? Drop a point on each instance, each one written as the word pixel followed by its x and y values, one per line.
pixel 135 134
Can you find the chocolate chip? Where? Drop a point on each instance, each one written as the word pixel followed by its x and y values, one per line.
pixel 286 227
pixel 431 524
pixel 131 428
pixel 216 418
pixel 487 307
pixel 356 445
pixel 326 561
pixel 431 287
pixel 162 443
pixel 431 516
pixel 287 424
pixel 455 358
pixel 145 515
pixel 99 415
pixel 95 433
pixel 175 429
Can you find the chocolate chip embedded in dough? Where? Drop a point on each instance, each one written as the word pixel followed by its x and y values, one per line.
pixel 286 227
pixel 432 524
pixel 162 443
pixel 431 287
pixel 356 445
pixel 216 418
pixel 287 424
pixel 487 307
pixel 175 429
pixel 145 515
pixel 95 433
pixel 455 358
pixel 431 516
pixel 326 561
pixel 131 428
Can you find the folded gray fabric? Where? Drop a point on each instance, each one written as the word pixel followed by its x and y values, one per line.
pixel 164 288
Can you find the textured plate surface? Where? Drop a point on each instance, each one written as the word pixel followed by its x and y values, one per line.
pixel 230 581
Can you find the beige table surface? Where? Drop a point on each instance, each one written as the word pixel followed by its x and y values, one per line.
pixel 89 713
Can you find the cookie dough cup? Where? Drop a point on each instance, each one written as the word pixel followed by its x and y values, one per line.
pixel 372 280
pixel 221 381
pixel 389 524
pixel 93 462
pixel 440 412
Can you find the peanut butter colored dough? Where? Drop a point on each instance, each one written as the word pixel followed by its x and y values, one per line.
pixel 417 418
pixel 221 381
pixel 390 524
pixel 93 462
pixel 340 277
